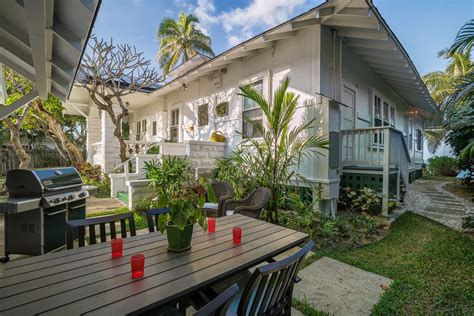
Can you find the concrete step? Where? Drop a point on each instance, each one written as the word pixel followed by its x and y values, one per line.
pixel 123 196
pixel 444 211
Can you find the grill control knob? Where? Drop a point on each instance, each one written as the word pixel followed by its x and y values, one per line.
pixel 64 198
pixel 71 197
pixel 56 200
pixel 82 194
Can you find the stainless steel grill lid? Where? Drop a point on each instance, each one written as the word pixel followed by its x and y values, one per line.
pixel 41 182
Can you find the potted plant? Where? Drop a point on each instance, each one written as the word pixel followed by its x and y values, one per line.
pixel 183 197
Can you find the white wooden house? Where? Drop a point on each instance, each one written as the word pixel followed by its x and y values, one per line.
pixel 352 75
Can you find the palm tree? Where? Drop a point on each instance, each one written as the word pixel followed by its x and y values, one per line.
pixel 180 40
pixel 450 89
pixel 274 159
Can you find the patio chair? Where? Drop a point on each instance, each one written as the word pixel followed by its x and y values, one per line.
pixel 217 307
pixel 250 206
pixel 266 291
pixel 81 224
pixel 152 217
pixel 223 191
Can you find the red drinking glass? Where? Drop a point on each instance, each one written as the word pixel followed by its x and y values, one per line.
pixel 211 224
pixel 237 234
pixel 138 265
pixel 117 247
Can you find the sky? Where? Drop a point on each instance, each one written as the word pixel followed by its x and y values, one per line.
pixel 424 27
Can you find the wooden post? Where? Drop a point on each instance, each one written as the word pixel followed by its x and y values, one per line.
pixel 386 171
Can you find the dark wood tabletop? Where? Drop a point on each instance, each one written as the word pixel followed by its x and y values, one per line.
pixel 87 281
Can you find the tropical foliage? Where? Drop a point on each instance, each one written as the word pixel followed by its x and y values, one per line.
pixel 180 40
pixel 453 90
pixel 176 190
pixel 273 160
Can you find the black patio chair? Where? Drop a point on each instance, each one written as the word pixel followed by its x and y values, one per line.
pixel 223 192
pixel 250 206
pixel 266 291
pixel 270 288
pixel 217 307
pixel 81 224
pixel 152 217
pixel 220 304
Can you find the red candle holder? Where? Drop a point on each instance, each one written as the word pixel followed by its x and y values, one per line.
pixel 237 235
pixel 211 224
pixel 117 247
pixel 137 263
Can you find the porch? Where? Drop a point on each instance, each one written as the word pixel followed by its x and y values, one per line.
pixel 128 179
pixel 377 157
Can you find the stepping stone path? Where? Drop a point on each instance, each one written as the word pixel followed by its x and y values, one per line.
pixel 430 199
pixel 340 289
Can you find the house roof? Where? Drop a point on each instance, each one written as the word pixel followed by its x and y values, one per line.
pixel 362 27
pixel 44 41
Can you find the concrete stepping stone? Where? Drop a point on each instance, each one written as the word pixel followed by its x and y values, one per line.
pixel 340 289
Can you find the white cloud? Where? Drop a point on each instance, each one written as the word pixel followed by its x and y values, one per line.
pixel 242 23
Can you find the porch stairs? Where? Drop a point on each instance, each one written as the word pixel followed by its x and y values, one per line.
pixel 378 158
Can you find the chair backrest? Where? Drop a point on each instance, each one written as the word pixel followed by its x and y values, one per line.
pixel 152 217
pixel 222 188
pixel 260 197
pixel 81 224
pixel 220 304
pixel 270 288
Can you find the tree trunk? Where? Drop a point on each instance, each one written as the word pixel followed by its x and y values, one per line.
pixel 56 130
pixel 15 140
pixel 122 144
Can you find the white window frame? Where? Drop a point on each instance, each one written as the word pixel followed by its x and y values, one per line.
pixel 411 128
pixel 180 120
pixel 392 116
pixel 208 114
pixel 154 128
pixel 264 77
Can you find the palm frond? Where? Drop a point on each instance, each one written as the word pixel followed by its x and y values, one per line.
pixel 464 38
pixel 434 138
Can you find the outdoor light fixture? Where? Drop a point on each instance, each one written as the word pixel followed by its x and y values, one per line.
pixel 184 87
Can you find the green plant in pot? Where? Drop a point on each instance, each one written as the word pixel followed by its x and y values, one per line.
pixel 183 197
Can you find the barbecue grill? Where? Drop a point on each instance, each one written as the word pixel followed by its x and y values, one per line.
pixel 39 203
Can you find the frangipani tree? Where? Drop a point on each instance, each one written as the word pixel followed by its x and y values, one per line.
pixel 110 73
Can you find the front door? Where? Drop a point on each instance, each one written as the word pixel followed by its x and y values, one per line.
pixel 348 109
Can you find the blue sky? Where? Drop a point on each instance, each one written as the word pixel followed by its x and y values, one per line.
pixel 424 27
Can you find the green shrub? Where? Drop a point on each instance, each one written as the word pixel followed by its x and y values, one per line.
pixel 365 200
pixel 169 177
pixel 93 175
pixel 442 166
pixel 153 150
pixel 234 172
pixel 90 172
pixel 143 205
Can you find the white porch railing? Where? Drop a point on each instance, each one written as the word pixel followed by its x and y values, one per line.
pixel 381 147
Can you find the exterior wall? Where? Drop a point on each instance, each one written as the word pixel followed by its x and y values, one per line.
pixel 297 57
pixel 94 135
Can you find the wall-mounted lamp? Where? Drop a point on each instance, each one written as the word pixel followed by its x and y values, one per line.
pixel 184 87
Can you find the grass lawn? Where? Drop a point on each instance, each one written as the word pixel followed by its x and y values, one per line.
pixel 432 267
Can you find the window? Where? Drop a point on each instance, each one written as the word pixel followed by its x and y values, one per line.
pixel 144 126
pixel 153 128
pixel 377 111
pixel 410 134
pixel 252 113
pixel 385 114
pixel 138 131
pixel 419 140
pixel 392 116
pixel 174 126
pixel 203 115
pixel 125 130
pixel 222 109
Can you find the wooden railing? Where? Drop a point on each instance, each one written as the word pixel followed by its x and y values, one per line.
pixel 382 148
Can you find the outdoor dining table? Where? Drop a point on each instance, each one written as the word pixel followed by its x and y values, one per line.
pixel 87 281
